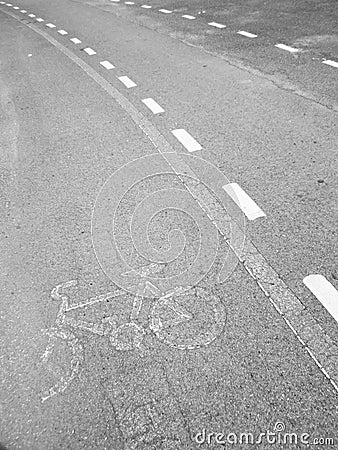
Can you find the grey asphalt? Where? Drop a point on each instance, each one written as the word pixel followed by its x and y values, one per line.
pixel 62 136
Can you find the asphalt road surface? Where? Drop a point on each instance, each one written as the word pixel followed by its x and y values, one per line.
pixel 168 225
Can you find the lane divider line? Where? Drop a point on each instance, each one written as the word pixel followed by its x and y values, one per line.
pixel 216 25
pixel 324 291
pixel 39 19
pixel 76 40
pixel 62 32
pixel 16 7
pixel 165 11
pixel 115 1
pixel 127 81
pixel 23 11
pixel 247 34
pixel 187 16
pixel 146 6
pixel 287 48
pixel 129 3
pixel 242 199
pixel 89 51
pixel 329 62
pixel 107 65
pixel 31 15
pixel 50 25
pixel 154 107
pixel 187 140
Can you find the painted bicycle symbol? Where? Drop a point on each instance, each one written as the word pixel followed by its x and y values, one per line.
pixel 181 318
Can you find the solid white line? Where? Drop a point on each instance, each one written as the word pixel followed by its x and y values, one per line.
pixel 325 293
pixel 127 82
pixel 165 11
pixel 241 198
pixel 186 16
pixel 330 63
pixel 63 32
pixel 247 34
pixel 154 107
pixel 217 25
pixel 187 140
pixel 287 48
pixel 76 40
pixel 50 25
pixel 89 51
pixel 146 6
pixel 39 19
pixel 107 65
pixel 31 15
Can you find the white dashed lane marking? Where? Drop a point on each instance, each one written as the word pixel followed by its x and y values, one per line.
pixel 62 32
pixel 325 293
pixel 146 6
pixel 23 11
pixel 287 48
pixel 242 199
pixel 9 4
pixel 187 140
pixel 107 65
pixel 39 19
pixel 127 82
pixel 129 3
pixel 165 11
pixel 154 107
pixel 31 15
pixel 331 63
pixel 89 51
pixel 76 40
pixel 50 25
pixel 16 7
pixel 186 16
pixel 216 25
pixel 247 34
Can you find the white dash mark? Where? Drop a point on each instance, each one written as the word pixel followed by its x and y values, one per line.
pixel 16 7
pixel 23 11
pixel 146 6
pixel 76 40
pixel 165 11
pixel 39 19
pixel 62 32
pixel 129 3
pixel 50 25
pixel 287 48
pixel 127 82
pixel 241 198
pixel 331 63
pixel 115 1
pixel 31 15
pixel 186 16
pixel 2 3
pixel 217 25
pixel 154 107
pixel 9 4
pixel 89 51
pixel 325 293
pixel 247 34
pixel 187 140
pixel 107 65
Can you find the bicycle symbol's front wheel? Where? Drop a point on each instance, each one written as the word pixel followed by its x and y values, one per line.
pixel 188 320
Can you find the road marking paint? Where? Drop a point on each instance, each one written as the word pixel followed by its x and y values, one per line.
pixel 241 198
pixel 247 34
pixel 76 40
pixel 50 25
pixel 127 82
pixel 115 1
pixel 216 25
pixel 23 11
pixel 62 32
pixel 129 3
pixel 279 294
pixel 154 107
pixel 2 3
pixel 39 19
pixel 9 4
pixel 187 140
pixel 89 51
pixel 325 293
pixel 107 65
pixel 16 7
pixel 31 15
pixel 186 16
pixel 329 62
pixel 287 48
pixel 146 6
pixel 165 11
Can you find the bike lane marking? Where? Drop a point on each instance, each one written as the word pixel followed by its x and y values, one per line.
pixel 300 320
